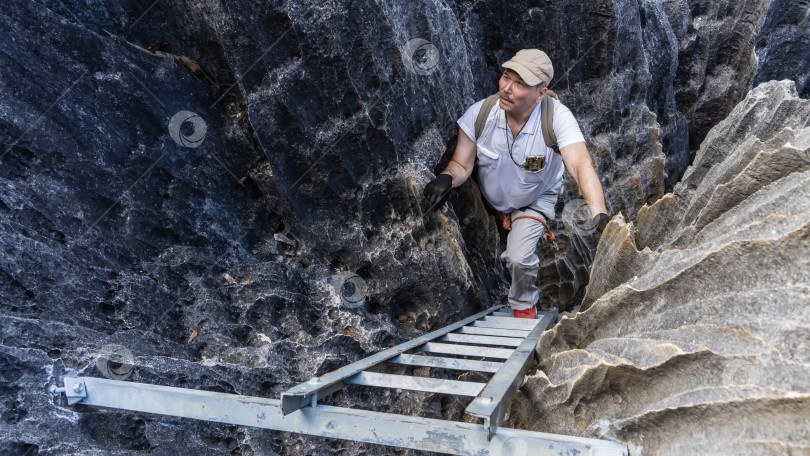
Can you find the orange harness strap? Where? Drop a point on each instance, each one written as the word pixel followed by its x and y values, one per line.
pixel 507 221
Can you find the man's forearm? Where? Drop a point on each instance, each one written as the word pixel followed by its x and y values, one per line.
pixel 591 188
pixel 457 172
pixel 579 164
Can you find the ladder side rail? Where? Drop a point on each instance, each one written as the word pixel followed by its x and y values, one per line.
pixel 302 394
pixel 440 436
pixel 496 396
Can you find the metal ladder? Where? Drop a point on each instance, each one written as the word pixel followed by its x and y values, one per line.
pixel 492 341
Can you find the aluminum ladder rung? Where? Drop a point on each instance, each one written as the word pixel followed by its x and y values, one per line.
pixel 448 363
pixel 482 340
pixel 499 324
pixel 526 324
pixel 493 401
pixel 426 384
pixel 492 331
pixel 503 314
pixel 466 350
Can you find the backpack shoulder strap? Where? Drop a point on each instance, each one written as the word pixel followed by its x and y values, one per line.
pixel 481 120
pixel 547 120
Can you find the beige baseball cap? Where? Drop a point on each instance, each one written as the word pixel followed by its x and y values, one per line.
pixel 533 65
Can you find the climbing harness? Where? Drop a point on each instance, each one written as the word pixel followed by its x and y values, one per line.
pixel 507 222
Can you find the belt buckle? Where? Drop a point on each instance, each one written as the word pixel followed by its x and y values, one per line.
pixel 535 163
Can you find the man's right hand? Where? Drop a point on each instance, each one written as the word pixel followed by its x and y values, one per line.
pixel 438 189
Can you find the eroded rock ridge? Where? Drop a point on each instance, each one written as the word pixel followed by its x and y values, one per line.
pixel 696 337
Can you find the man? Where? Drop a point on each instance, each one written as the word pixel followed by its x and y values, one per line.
pixel 509 151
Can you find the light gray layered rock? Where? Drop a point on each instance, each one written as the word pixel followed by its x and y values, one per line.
pixel 696 337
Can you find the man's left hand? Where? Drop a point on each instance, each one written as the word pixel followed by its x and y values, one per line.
pixel 601 221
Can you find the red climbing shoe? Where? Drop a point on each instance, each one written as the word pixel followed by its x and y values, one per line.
pixel 528 313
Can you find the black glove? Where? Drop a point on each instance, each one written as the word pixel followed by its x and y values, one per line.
pixel 601 221
pixel 437 190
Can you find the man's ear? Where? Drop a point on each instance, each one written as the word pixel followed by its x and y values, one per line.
pixel 541 93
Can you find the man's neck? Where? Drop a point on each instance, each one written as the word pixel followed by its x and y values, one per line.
pixel 521 118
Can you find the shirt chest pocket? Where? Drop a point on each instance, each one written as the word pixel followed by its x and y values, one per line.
pixel 486 156
pixel 536 177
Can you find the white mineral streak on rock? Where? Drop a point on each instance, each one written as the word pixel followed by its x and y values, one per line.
pixel 707 350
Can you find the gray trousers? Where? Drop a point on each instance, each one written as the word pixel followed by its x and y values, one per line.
pixel 522 260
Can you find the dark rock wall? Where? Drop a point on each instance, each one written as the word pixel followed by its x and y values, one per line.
pixel 783 46
pixel 221 266
pixel 117 241
pixel 716 61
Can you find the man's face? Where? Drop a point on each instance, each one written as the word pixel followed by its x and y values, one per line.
pixel 517 96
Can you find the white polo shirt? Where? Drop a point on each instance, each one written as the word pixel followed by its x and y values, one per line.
pixel 507 186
